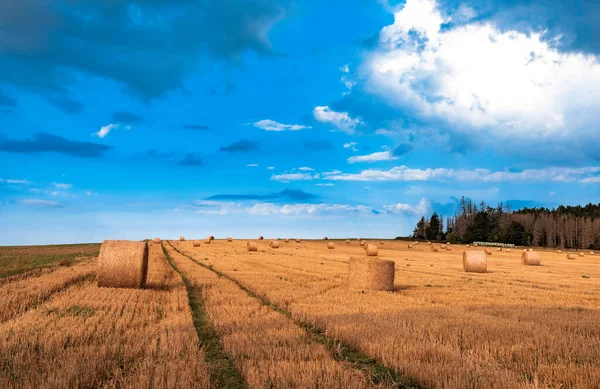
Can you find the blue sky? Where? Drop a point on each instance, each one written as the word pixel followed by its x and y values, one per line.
pixel 130 119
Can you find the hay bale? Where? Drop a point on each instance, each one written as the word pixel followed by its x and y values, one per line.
pixel 531 258
pixel 474 261
pixel 297 240
pixel 488 252
pixel 581 254
pixel 156 240
pixel 182 239
pixel 260 237
pixel 434 249
pixel 570 256
pixel 429 243
pixel 362 243
pixel 448 248
pixel 324 238
pixel 443 246
pixel 370 274
pixel 468 246
pixel 381 242
pixel 229 239
pixel 448 243
pixel 207 241
pixel 499 249
pixel 251 246
pixel 286 240
pixel 275 244
pixel 410 246
pixel 559 251
pixel 475 245
pixel 122 264
pixel 211 237
pixel 591 253
pixel 529 249
pixel 347 241
pixel 507 250
pixel 196 243
pixel 371 250
pixel 330 246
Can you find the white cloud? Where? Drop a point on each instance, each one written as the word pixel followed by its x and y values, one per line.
pixel 590 180
pixel 339 119
pixel 105 130
pixel 287 177
pixel 40 203
pixel 374 157
pixel 252 165
pixel 271 125
pixel 421 209
pixel 90 193
pixel 271 167
pixel 306 169
pixel 478 77
pixel 324 184
pixel 272 209
pixel 351 145
pixel 404 173
pixel 14 182
pixel 59 185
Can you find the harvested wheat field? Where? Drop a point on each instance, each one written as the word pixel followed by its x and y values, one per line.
pixel 220 316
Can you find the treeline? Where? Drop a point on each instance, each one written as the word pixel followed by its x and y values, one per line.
pixel 564 227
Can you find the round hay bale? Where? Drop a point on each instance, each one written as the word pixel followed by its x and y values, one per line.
pixel 531 258
pixel 381 242
pixel 499 249
pixel 211 237
pixel 275 244
pixel 443 246
pixel 270 241
pixel 330 246
pixel 251 246
pixel 260 237
pixel 448 243
pixel 196 243
pixel 434 249
pixel 362 243
pixel 286 240
pixel 347 241
pixel 182 238
pixel 468 246
pixel 122 264
pixel 581 254
pixel 371 250
pixel 448 248
pixel 529 249
pixel 229 239
pixel 429 243
pixel 474 261
pixel 297 240
pixel 324 238
pixel 570 256
pixel 475 245
pixel 559 251
pixel 507 250
pixel 488 252
pixel 370 274
pixel 410 246
pixel 156 240
pixel 207 241
pixel 591 253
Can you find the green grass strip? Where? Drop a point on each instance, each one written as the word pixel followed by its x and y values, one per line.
pixel 375 371
pixel 223 372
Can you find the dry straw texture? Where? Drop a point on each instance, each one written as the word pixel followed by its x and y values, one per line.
pixel 252 246
pixel 371 250
pixel 182 238
pixel 207 241
pixel 488 252
pixel 474 261
pixel 275 244
pixel 531 258
pixel 330 245
pixel 196 243
pixel 370 274
pixel 122 264
pixel 156 240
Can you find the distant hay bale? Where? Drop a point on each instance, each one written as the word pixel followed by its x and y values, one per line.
pixel 371 250
pixel 559 251
pixel 370 274
pixel 182 238
pixel 122 264
pixel 468 246
pixel 416 242
pixel 591 253
pixel 475 245
pixel 260 237
pixel 229 239
pixel 251 246
pixel 347 241
pixel 581 254
pixel 324 238
pixel 211 237
pixel 297 240
pixel 196 243
pixel 488 252
pixel 443 246
pixel 570 256
pixel 474 261
pixel 270 241
pixel 448 248
pixel 531 258
pixel 381 242
pixel 529 249
pixel 499 249
pixel 207 241
pixel 275 244
pixel 429 243
pixel 156 240
pixel 286 240
pixel 410 246
pixel 434 249
pixel 507 250
pixel 330 246
pixel 362 243
pixel 447 243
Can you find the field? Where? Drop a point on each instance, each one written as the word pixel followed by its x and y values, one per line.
pixel 220 316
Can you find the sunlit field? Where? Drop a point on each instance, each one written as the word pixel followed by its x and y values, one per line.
pixel 220 316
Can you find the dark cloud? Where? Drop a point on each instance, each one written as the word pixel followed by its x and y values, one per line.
pixel 196 127
pixel 286 195
pixel 149 46
pixel 317 145
pixel 192 159
pixel 126 117
pixel 45 143
pixel 402 149
pixel 7 101
pixel 241 146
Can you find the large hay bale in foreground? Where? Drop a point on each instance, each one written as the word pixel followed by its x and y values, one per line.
pixel 122 264
pixel 156 240
pixel 371 250
pixel 330 246
pixel 182 238
pixel 531 258
pixel 196 243
pixel 474 261
pixel 252 246
pixel 370 274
